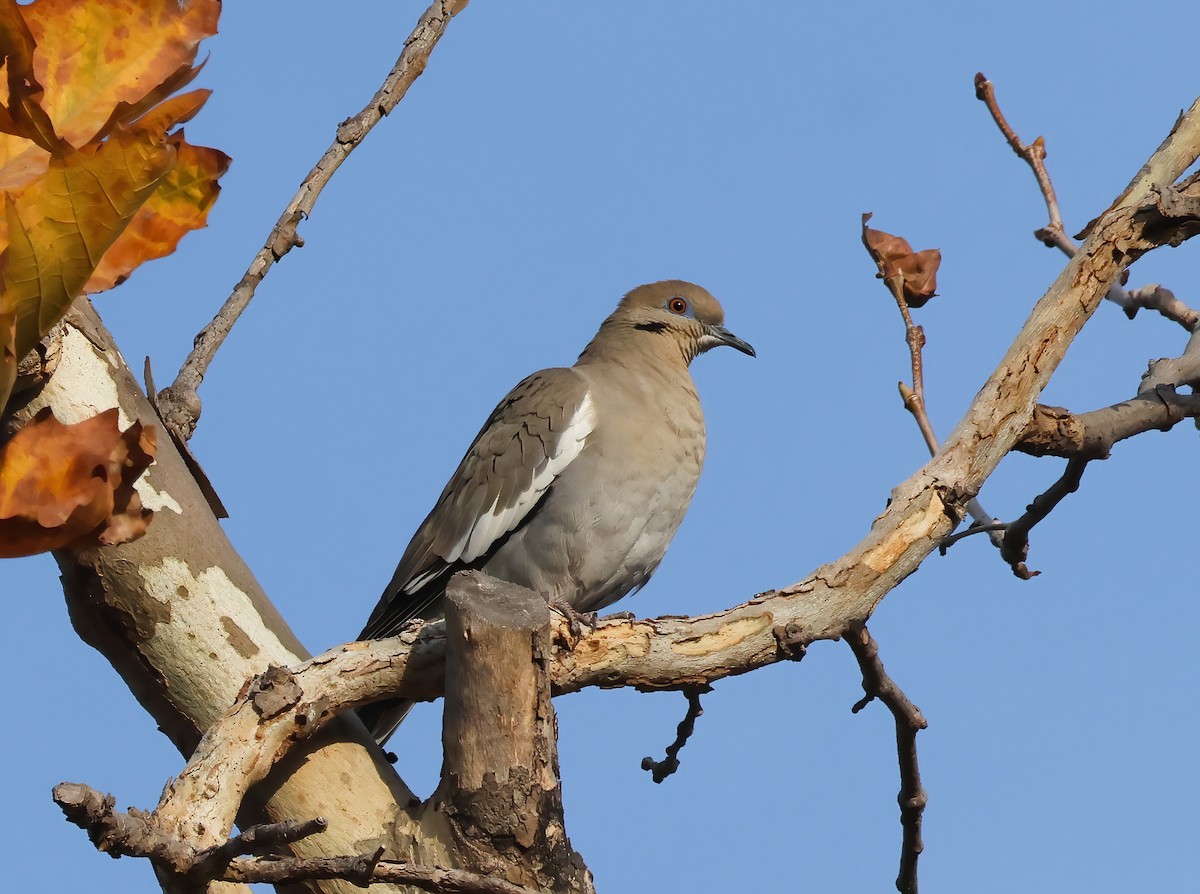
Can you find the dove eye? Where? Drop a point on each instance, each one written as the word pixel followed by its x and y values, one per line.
pixel 677 306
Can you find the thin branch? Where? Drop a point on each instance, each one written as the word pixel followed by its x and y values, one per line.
pixel 1152 297
pixel 660 770
pixel 892 272
pixel 975 528
pixel 366 869
pixel 1016 538
pixel 909 721
pixel 214 862
pixel 1158 298
pixel 1034 155
pixel 1175 372
pixel 914 396
pixel 180 403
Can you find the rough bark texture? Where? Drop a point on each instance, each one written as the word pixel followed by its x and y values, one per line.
pixel 500 792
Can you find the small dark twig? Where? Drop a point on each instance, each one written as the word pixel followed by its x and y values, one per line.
pixel 256 840
pixel 1015 548
pixel 660 770
pixel 358 868
pixel 909 721
pixel 989 528
pixel 365 869
pixel 179 403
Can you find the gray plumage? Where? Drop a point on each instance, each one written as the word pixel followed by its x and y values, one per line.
pixel 580 477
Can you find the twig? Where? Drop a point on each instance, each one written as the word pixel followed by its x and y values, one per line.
pixel 214 862
pixel 365 869
pixel 1174 371
pixel 179 402
pixel 974 528
pixel 1034 154
pixel 1157 298
pixel 909 721
pixel 660 770
pixel 914 396
pixel 1016 539
pixel 1152 297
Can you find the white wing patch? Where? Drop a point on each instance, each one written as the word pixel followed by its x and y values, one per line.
pixel 497 521
pixel 422 579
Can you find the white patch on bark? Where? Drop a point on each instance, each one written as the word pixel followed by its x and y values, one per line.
pixel 215 612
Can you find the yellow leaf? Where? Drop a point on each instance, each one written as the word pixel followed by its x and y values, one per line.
pixel 59 227
pixel 92 57
pixel 179 205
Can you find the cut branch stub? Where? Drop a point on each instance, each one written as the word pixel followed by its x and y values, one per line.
pixel 500 790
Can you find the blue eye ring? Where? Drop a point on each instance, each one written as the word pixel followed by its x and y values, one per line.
pixel 677 305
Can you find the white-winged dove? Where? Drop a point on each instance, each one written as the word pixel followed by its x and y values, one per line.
pixel 580 477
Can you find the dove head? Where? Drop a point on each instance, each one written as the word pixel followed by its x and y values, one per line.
pixel 672 317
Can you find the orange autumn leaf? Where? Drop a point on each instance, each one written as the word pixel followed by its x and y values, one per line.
pixel 102 72
pixel 894 256
pixel 94 59
pixel 179 205
pixel 72 485
pixel 93 186
pixel 53 250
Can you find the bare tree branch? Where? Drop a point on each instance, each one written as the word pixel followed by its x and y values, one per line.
pixel 914 396
pixel 1054 235
pixel 909 721
pixel 179 403
pixel 1054 431
pixel 1034 155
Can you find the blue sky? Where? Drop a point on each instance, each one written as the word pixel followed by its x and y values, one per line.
pixel 552 157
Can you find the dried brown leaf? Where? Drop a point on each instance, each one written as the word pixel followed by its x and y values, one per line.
pixel 72 485
pixel 895 257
